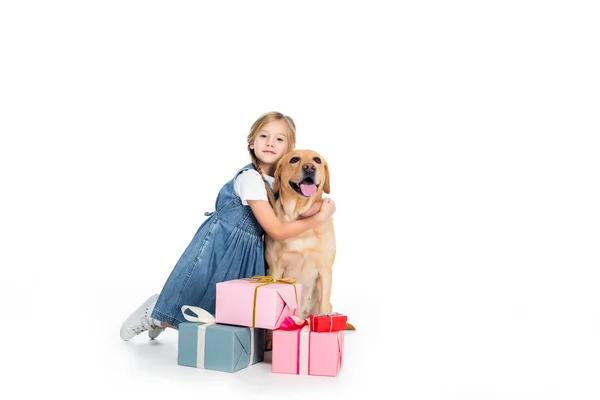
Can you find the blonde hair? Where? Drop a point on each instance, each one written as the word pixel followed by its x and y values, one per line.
pixel 257 126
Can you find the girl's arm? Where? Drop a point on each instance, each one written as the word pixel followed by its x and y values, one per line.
pixel 284 230
pixel 315 208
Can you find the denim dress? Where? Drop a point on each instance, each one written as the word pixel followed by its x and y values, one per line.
pixel 228 245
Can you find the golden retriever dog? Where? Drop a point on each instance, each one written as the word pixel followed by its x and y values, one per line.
pixel 301 178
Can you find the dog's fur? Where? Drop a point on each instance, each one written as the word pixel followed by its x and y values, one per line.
pixel 301 178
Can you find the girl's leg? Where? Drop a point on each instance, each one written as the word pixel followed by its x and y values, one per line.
pixel 168 326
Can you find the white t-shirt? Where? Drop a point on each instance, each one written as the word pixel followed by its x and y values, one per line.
pixel 249 186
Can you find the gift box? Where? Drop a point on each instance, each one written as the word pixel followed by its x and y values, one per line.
pixel 304 352
pixel 205 344
pixel 259 302
pixel 328 322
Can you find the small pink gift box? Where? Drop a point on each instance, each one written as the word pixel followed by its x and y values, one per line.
pixel 305 352
pixel 258 302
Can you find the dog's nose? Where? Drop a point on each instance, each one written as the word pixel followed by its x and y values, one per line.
pixel 309 167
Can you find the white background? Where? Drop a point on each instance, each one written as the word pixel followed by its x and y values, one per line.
pixel 462 139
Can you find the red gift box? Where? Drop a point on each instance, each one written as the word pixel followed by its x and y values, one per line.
pixel 328 322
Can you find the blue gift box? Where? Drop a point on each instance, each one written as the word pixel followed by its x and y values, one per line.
pixel 219 347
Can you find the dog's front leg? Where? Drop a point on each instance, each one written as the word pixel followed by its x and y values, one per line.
pixel 273 260
pixel 325 281
pixel 277 270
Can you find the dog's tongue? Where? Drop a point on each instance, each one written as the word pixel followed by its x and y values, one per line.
pixel 308 190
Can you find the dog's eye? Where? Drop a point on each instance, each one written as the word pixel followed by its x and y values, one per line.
pixel 294 160
pixel 317 160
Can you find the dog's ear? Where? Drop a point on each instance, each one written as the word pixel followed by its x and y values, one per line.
pixel 277 176
pixel 326 186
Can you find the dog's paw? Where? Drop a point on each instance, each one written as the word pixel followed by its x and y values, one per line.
pixel 350 327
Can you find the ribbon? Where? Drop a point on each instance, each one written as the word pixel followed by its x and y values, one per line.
pixel 325 315
pixel 269 280
pixel 292 323
pixel 303 363
pixel 207 319
pixel 303 349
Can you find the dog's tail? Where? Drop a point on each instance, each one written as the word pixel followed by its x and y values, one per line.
pixel 350 327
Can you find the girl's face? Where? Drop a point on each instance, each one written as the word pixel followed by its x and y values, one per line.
pixel 270 144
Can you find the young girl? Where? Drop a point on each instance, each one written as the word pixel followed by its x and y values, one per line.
pixel 229 244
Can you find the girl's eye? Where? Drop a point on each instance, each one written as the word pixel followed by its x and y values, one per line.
pixel 280 139
pixel 262 135
pixel 294 160
pixel 317 160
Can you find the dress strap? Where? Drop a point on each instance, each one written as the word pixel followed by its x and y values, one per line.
pixel 246 168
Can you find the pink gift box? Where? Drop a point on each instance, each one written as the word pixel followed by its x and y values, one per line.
pixel 248 302
pixel 305 352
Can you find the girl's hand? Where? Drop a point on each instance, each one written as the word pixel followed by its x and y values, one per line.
pixel 327 209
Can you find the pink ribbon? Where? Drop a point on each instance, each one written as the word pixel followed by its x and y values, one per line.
pixel 294 323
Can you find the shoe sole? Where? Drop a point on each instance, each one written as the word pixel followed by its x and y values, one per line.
pixel 135 315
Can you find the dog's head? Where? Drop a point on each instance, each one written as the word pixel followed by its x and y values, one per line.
pixel 302 173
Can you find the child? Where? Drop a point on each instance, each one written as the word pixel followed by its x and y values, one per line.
pixel 229 244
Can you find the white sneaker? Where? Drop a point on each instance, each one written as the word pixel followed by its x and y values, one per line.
pixel 141 321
